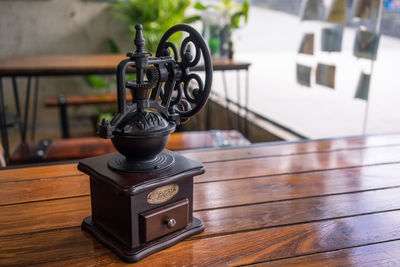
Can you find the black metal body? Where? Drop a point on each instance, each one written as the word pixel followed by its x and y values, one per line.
pixel 162 98
pixel 142 196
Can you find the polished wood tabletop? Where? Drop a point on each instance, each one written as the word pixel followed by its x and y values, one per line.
pixel 82 64
pixel 313 203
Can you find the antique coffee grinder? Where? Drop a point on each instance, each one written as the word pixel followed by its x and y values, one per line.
pixel 142 195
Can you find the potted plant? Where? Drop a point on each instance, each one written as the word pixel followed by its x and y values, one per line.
pixel 218 23
pixel 156 16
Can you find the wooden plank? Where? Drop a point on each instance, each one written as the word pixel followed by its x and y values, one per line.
pixel 56 214
pixel 245 168
pixel 280 149
pixel 222 154
pixel 245 218
pixel 77 247
pixel 218 170
pixel 230 192
pixel 43 189
pixel 78 100
pixel 263 189
pixel 40 172
pixel 44 215
pixel 82 64
pixel 84 147
pixel 229 170
pixel 59 64
pixel 382 254
pixel 36 248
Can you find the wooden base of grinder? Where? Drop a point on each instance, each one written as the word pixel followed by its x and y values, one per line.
pixel 137 214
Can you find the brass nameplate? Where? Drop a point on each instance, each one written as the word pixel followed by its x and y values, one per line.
pixel 162 194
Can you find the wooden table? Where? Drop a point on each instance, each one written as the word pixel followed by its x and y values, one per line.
pixel 64 65
pixel 48 65
pixel 84 147
pixel 332 202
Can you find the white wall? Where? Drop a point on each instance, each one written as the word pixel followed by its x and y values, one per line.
pixel 41 27
pixel 270 42
pixel 56 26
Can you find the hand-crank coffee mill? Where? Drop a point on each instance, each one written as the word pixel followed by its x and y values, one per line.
pixel 142 195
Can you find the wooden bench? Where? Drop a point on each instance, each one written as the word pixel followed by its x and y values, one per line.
pixel 62 102
pixel 78 148
pixel 76 100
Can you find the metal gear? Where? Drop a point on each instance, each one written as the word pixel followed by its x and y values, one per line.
pixel 153 76
pixel 134 85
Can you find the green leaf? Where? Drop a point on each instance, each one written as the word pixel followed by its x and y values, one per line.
pixel 192 19
pixel 96 82
pixel 200 6
pixel 226 2
pixel 130 76
pixel 245 9
pixel 102 116
pixel 235 20
pixel 113 46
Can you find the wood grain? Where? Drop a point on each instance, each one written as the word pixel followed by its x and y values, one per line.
pixel 209 155
pixel 283 148
pixel 41 172
pixel 41 247
pixel 273 188
pixel 44 189
pixel 57 214
pixel 78 100
pixel 328 202
pixel 84 147
pixel 82 64
pixel 59 64
pixel 383 254
pixel 43 216
pixel 251 217
pixel 283 242
pixel 246 168
pixel 234 249
pixel 219 194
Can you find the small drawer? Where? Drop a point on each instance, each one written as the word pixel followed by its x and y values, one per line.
pixel 164 220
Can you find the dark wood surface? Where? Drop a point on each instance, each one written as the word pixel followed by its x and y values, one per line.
pixel 79 100
pixel 81 64
pixel 79 148
pixel 317 203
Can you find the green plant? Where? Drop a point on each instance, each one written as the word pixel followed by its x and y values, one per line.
pixel 219 21
pixel 101 85
pixel 156 16
pixel 231 12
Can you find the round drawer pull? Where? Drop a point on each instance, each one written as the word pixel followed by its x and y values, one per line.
pixel 170 223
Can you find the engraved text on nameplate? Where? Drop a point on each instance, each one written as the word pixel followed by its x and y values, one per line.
pixel 162 194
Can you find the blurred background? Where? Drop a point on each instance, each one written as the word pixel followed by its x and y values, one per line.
pixel 288 69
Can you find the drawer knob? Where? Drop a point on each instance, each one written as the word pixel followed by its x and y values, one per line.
pixel 170 223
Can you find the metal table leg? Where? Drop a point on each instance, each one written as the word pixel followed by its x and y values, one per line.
pixel 208 115
pixel 238 105
pixel 17 105
pixel 246 104
pixel 62 102
pixel 3 124
pixel 28 93
pixel 228 101
pixel 35 107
